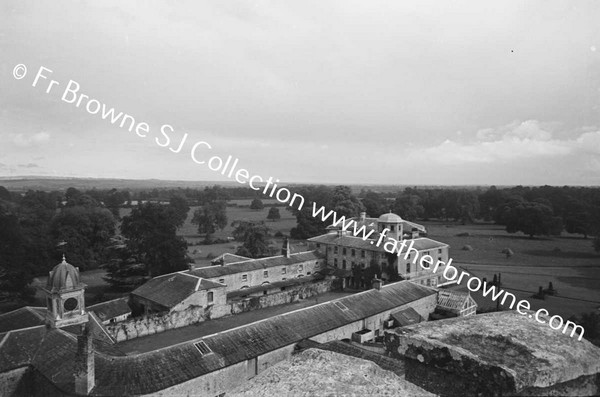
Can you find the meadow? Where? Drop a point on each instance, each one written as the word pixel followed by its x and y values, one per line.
pixel 568 261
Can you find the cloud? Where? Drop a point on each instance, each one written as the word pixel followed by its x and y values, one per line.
pixel 29 165
pixel 515 141
pixel 25 140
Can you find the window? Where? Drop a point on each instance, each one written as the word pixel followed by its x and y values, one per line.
pixel 301 268
pixel 283 270
pixel 202 348
pixel 222 280
pixel 244 277
pixel 353 252
pixel 439 250
pixel 362 253
pixel 343 264
pixel 335 262
pixel 318 245
pixel 344 251
pixel 428 282
pixel 266 274
pixel 391 228
pixel 307 273
pixel 364 265
pixel 407 267
pixel 335 249
pixel 209 297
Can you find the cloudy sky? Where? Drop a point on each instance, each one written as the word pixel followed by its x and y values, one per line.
pixel 419 92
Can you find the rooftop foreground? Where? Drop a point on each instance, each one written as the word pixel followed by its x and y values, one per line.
pixel 501 353
pixel 316 372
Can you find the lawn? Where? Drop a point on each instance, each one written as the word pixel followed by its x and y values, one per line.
pixel 568 261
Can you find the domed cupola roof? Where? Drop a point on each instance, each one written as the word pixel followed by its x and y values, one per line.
pixel 64 276
pixel 389 218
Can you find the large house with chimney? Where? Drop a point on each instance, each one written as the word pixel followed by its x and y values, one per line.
pixel 347 252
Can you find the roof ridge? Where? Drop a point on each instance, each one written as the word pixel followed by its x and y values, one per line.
pixel 30 309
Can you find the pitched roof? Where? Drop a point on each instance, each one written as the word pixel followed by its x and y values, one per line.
pixel 228 258
pixel 18 348
pixel 276 284
pixel 153 371
pixel 110 309
pixel 453 300
pixel 254 264
pixel 420 244
pixel 407 316
pixel 22 318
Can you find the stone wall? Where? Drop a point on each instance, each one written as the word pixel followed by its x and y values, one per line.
pixel 136 327
pixel 290 295
pixel 154 323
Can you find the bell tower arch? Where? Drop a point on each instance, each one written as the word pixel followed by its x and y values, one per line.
pixel 65 296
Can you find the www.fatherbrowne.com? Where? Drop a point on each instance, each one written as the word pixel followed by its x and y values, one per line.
pixel 450 272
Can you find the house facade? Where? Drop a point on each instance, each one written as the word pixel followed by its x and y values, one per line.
pixel 343 250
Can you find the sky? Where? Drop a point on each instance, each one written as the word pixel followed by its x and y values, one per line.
pixel 345 91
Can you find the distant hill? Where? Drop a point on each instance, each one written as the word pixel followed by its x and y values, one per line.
pixel 53 183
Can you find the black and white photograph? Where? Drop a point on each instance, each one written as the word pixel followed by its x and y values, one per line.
pixel 333 198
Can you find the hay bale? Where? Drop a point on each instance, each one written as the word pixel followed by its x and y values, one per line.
pixel 467 248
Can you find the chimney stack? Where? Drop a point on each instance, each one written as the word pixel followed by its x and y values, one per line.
pixel 285 250
pixel 85 378
pixel 377 283
pixel 363 216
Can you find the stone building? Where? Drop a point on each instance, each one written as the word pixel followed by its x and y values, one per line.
pixel 77 360
pixel 345 251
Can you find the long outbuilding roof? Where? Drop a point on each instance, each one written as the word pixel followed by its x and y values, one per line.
pixel 52 352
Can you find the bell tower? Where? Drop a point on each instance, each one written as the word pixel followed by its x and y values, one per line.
pixel 65 299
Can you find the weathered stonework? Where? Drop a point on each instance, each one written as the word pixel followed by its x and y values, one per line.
pixel 501 353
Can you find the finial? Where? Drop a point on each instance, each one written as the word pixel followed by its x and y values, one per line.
pixel 64 259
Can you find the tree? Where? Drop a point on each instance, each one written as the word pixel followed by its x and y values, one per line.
pixel 113 200
pixel 408 206
pixel 375 204
pixel 257 204
pixel 307 225
pixel 274 214
pixel 4 194
pixel 254 236
pixel 87 231
pixel 344 203
pixel 151 237
pixel 123 271
pixel 532 218
pixel 210 217
pixel 179 207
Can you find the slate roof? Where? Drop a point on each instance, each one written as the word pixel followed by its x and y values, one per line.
pixel 406 317
pixel 276 284
pixel 111 309
pixel 24 317
pixel 254 264
pixel 170 289
pixel 52 352
pixel 420 244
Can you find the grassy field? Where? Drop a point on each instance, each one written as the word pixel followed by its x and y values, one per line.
pixel 568 261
